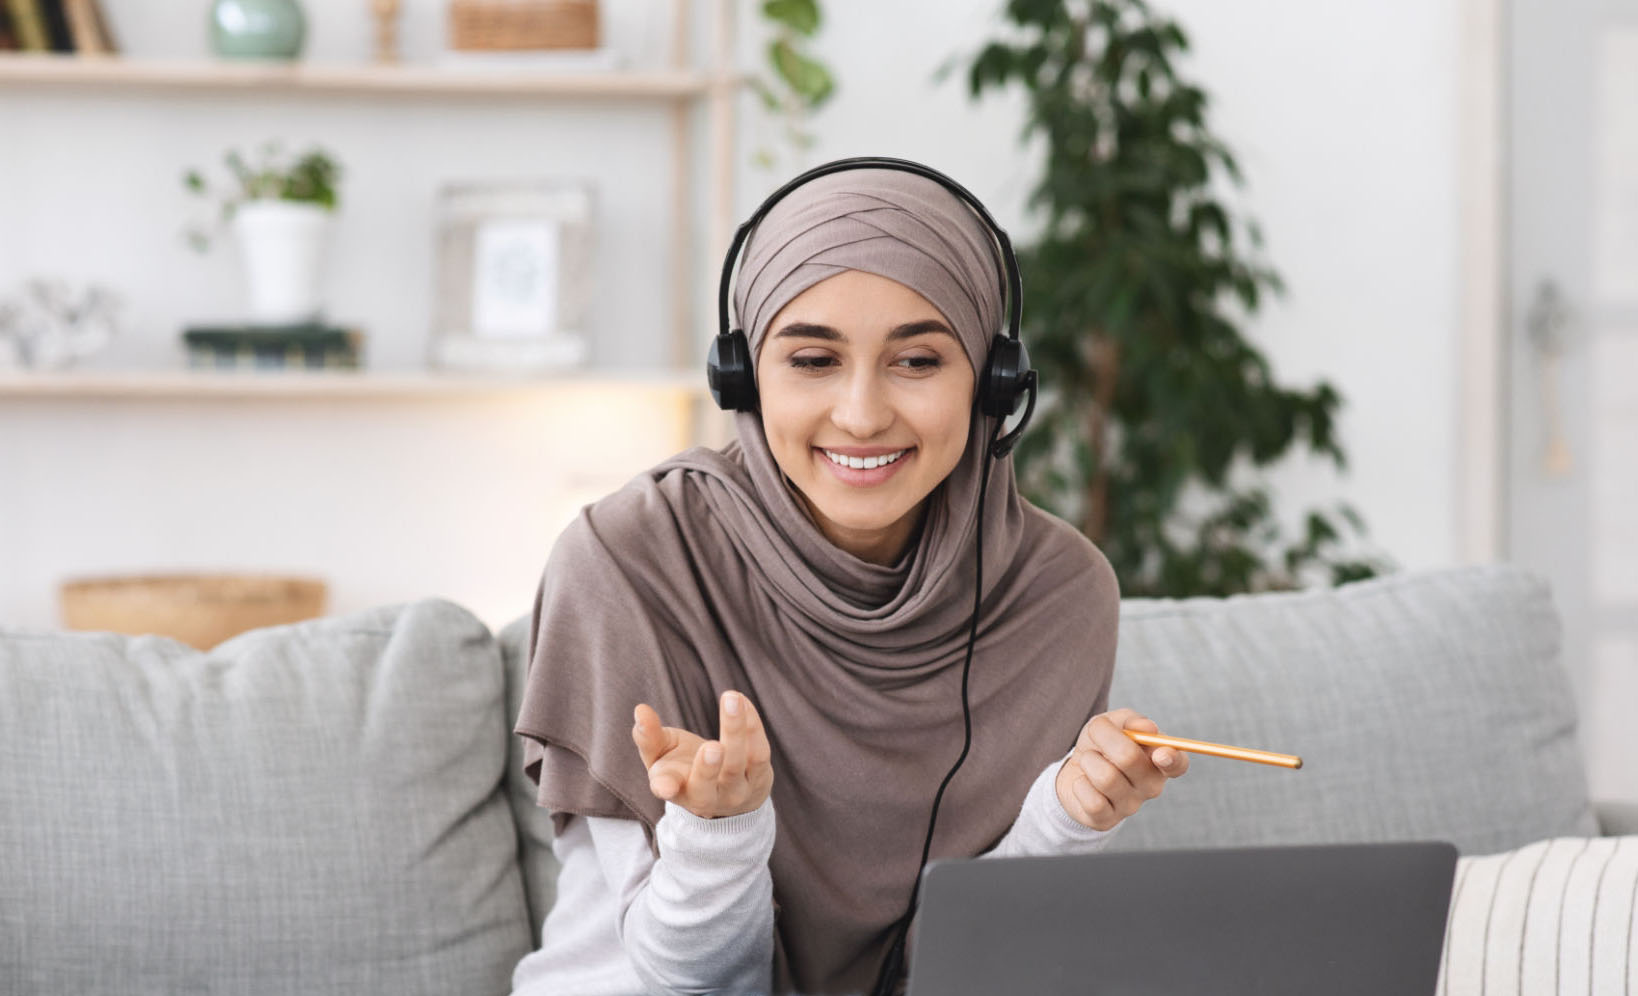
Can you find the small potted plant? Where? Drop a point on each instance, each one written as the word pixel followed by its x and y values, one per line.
pixel 280 209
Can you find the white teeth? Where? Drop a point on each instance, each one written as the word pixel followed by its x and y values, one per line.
pixel 863 463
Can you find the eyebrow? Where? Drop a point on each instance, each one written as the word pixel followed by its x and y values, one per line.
pixel 809 330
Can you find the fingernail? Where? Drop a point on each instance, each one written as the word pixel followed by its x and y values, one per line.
pixel 730 704
pixel 713 754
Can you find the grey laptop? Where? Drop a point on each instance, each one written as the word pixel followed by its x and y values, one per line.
pixel 1334 919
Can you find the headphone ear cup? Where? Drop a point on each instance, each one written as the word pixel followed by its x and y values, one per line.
pixel 728 372
pixel 1006 374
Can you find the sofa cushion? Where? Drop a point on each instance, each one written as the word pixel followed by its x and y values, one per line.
pixel 1551 917
pixel 306 809
pixel 1425 705
pixel 534 823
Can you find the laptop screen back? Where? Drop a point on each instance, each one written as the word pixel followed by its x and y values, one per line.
pixel 1335 919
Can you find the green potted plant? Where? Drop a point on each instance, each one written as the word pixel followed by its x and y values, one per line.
pixel 1153 395
pixel 801 83
pixel 281 209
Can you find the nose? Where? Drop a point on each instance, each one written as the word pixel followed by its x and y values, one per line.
pixel 862 409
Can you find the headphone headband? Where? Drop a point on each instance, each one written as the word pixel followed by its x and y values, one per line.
pixel 1011 282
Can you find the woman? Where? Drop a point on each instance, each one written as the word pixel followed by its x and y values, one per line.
pixel 788 623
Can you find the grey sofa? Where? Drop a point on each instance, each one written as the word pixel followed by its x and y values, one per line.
pixel 337 807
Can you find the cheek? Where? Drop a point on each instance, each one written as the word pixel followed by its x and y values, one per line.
pixel 788 429
pixel 942 424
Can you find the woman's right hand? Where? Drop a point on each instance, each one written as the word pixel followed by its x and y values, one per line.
pixel 709 778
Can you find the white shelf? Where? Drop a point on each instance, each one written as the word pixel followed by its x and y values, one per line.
pixel 686 89
pixel 247 384
pixel 115 73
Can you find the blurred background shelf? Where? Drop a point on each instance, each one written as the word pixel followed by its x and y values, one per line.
pixel 208 75
pixel 401 478
pixel 182 384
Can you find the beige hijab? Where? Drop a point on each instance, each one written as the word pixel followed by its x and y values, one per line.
pixel 705 574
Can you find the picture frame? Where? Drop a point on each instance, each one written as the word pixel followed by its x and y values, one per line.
pixel 514 275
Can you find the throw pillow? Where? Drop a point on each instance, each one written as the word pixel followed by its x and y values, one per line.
pixel 1428 705
pixel 1550 918
pixel 310 809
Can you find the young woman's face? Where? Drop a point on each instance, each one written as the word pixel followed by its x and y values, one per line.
pixel 866 399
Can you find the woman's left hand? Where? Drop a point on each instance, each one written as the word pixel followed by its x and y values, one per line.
pixel 1109 776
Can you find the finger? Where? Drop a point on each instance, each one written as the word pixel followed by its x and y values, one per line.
pixel 1130 719
pixel 1172 763
pixel 1120 717
pixel 667 779
pixel 1133 761
pixel 1096 809
pixel 1168 761
pixel 1110 781
pixel 735 743
pixel 1119 748
pixel 650 737
pixel 702 776
pixel 1139 722
pixel 758 753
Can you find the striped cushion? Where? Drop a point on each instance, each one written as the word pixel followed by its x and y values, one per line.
pixel 1551 917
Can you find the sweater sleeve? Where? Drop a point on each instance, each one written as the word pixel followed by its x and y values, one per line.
pixel 700 917
pixel 1044 827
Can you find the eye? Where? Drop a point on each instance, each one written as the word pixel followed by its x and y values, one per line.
pixel 921 362
pixel 811 362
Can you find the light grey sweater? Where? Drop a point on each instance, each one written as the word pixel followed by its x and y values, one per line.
pixel 699 919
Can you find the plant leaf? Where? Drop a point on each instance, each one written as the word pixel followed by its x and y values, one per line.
pixel 808 78
pixel 801 16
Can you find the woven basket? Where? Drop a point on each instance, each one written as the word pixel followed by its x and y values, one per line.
pixel 201 610
pixel 513 25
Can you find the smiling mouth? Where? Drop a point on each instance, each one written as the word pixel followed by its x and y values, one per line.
pixel 863 463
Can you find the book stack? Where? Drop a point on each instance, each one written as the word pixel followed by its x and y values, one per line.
pixel 308 346
pixel 68 26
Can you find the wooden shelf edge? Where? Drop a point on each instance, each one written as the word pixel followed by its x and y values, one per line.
pixel 139 384
pixel 206 75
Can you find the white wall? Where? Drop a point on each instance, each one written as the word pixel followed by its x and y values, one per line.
pixel 387 500
pixel 1343 118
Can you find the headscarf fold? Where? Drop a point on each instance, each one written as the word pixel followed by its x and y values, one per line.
pixel 706 574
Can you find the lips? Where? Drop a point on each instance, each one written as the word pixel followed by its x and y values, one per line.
pixel 863 462
pixel 864 469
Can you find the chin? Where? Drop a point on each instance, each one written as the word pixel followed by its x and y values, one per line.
pixel 873 522
pixel 862 514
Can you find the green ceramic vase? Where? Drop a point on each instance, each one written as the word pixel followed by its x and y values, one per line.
pixel 257 29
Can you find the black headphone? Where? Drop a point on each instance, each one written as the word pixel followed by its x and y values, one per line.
pixel 1002 383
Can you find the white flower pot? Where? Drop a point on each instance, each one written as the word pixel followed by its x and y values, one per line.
pixel 283 246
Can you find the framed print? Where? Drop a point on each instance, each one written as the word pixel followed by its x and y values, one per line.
pixel 514 266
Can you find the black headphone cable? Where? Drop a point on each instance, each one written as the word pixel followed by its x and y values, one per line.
pixel 893 966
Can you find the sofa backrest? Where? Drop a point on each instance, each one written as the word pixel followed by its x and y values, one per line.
pixel 307 809
pixel 534 823
pixel 1429 704
pixel 1425 705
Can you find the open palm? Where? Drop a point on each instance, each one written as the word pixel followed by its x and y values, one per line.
pixel 709 778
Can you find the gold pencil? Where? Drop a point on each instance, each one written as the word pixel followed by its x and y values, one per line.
pixel 1215 750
